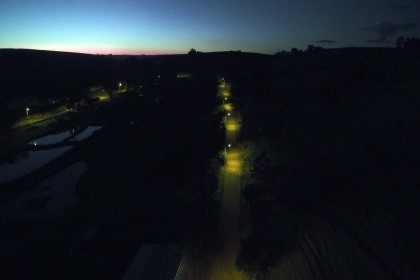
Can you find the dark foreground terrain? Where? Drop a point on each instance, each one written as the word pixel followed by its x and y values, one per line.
pixel 335 165
pixel 329 162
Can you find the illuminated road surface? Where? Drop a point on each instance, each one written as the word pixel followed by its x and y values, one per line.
pixel 37 118
pixel 221 263
pixel 224 264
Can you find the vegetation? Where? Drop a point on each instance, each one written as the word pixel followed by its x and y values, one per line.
pixel 153 184
pixel 408 43
pixel 338 129
pixel 329 146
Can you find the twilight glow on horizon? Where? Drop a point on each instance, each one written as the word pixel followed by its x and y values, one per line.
pixel 169 27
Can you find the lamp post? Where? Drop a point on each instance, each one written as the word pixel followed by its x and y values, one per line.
pixel 228 146
pixel 119 87
pixel 27 112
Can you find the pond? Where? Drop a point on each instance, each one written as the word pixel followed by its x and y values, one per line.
pixel 27 162
pixel 52 138
pixel 85 133
pixel 49 198
pixel 72 135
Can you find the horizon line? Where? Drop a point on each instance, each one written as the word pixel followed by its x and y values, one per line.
pixel 175 53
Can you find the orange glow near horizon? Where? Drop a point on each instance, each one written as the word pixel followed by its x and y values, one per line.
pixel 104 50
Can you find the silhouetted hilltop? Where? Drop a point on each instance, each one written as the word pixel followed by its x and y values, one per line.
pixel 50 73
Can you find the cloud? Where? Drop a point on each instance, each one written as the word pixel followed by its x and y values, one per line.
pixel 399 8
pixel 385 30
pixel 325 42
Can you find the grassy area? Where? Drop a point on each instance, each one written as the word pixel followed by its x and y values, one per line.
pixel 147 181
pixel 341 130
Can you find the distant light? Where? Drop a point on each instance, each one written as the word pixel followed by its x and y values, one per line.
pixel 120 84
pixel 228 114
pixel 225 98
pixel 27 109
pixel 229 145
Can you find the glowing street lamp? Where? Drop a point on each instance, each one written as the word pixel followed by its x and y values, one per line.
pixel 226 147
pixel 27 112
pixel 119 87
pixel 225 118
pixel 224 99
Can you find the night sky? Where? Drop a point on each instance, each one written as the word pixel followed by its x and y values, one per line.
pixel 175 26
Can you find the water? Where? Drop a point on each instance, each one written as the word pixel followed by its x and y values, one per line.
pixel 57 138
pixel 51 139
pixel 85 133
pixel 27 162
pixel 48 199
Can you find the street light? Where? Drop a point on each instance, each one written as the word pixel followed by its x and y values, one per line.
pixel 228 146
pixel 119 87
pixel 27 112
pixel 225 118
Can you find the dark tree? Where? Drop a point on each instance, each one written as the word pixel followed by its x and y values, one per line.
pixel 400 42
pixel 310 48
pixel 192 51
pixel 412 43
pixel 294 51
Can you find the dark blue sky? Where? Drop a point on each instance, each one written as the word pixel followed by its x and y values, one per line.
pixel 165 26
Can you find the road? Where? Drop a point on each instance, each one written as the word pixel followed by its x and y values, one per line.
pixel 224 264
pixel 36 118
pixel 221 263
pixel 15 138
